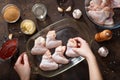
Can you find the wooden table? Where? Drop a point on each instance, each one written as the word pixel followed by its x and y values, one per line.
pixel 109 66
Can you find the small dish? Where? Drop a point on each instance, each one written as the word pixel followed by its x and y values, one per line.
pixel 65 29
pixel 8 49
pixel 10 13
pixel 116 19
pixel 28 27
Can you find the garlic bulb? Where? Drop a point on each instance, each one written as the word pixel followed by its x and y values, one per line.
pixel 103 51
pixel 77 14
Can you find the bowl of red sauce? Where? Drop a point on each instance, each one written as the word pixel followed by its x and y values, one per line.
pixel 8 49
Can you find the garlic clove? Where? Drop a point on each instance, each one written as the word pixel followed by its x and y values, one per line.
pixel 68 9
pixel 77 14
pixel 10 36
pixel 60 9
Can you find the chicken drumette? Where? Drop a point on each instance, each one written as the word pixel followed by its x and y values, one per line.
pixel 58 55
pixel 39 46
pixel 47 62
pixel 51 42
pixel 71 44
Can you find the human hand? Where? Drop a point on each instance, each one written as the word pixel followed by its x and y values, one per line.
pixel 85 51
pixel 22 67
pixel 83 48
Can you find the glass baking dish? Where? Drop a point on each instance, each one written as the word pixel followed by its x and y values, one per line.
pixel 65 29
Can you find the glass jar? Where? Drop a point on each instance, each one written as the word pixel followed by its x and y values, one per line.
pixel 40 11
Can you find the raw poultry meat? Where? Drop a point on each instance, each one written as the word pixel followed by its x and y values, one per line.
pixel 101 11
pixel 94 4
pixel 71 44
pixel 115 3
pixel 99 4
pixel 47 62
pixel 105 3
pixel 58 55
pixel 39 46
pixel 51 42
pixel 102 15
pixel 109 21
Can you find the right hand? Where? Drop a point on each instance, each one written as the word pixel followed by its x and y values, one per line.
pixel 83 49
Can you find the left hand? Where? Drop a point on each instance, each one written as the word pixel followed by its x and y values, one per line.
pixel 22 67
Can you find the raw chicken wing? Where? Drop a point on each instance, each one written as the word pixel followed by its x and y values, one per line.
pixel 58 56
pixel 94 5
pixel 102 15
pixel 99 4
pixel 39 46
pixel 71 44
pixel 115 3
pixel 47 62
pixel 101 11
pixel 51 42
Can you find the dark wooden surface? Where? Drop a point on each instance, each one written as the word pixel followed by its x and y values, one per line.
pixel 109 66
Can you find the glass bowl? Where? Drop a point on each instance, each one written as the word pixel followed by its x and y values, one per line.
pixel 10 13
pixel 8 49
pixel 116 19
pixel 65 29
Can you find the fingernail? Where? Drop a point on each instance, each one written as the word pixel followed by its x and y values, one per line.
pixel 25 54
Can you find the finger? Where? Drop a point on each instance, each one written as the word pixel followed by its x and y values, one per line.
pixel 76 38
pixel 80 40
pixel 25 59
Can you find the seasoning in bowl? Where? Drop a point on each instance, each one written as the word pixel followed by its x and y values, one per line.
pixel 28 27
pixel 11 13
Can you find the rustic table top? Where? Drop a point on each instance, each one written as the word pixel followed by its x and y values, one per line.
pixel 109 66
